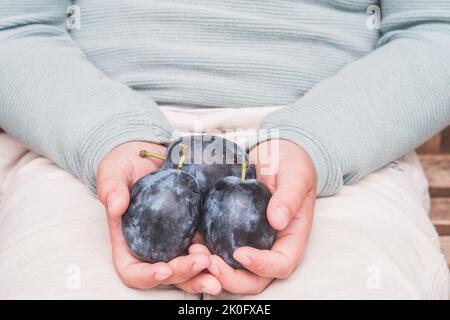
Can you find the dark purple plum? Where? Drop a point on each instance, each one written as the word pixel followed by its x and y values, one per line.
pixel 163 215
pixel 234 215
pixel 209 159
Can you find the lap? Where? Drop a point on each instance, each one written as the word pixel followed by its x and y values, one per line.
pixel 54 239
pixel 374 240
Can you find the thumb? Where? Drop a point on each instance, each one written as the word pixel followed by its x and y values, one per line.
pixel 112 190
pixel 290 192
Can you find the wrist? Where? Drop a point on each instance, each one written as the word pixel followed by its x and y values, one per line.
pixel 321 157
pixel 111 134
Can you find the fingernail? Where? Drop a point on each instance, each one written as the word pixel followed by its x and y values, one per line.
pixel 214 269
pixel 198 267
pixel 282 214
pixel 243 259
pixel 160 276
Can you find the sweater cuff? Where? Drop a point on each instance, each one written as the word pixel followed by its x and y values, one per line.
pixel 112 132
pixel 329 180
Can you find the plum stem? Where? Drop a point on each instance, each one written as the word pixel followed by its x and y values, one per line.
pixel 244 170
pixel 183 156
pixel 150 154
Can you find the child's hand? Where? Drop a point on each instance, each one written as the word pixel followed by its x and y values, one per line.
pixel 289 174
pixel 117 172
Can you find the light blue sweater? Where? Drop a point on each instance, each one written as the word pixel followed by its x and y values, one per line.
pixel 357 98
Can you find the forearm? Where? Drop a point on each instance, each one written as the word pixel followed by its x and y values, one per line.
pixel 59 104
pixel 375 109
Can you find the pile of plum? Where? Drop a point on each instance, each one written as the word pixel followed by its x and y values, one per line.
pixel 204 184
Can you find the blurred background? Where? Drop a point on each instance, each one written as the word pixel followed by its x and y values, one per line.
pixel 435 158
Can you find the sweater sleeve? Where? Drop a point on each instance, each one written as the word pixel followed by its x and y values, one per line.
pixel 56 102
pixel 379 107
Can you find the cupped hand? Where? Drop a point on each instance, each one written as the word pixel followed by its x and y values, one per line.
pixel 289 174
pixel 116 174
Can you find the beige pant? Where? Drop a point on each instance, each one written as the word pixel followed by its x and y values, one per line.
pixel 372 240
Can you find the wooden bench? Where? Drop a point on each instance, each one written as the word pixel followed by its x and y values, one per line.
pixel 435 158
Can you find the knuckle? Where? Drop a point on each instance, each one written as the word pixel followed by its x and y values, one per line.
pixel 111 217
pixel 114 219
pixel 126 281
pixel 295 198
pixel 285 273
pixel 258 290
pixel 104 188
pixel 101 189
pixel 259 267
pixel 183 274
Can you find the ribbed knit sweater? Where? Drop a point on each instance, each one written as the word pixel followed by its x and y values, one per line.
pixel 355 97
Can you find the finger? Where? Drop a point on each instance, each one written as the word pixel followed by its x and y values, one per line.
pixel 142 275
pixel 112 189
pixel 134 274
pixel 288 197
pixel 186 267
pixel 137 274
pixel 202 283
pixel 265 263
pixel 287 251
pixel 199 248
pixel 237 281
pixel 259 156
